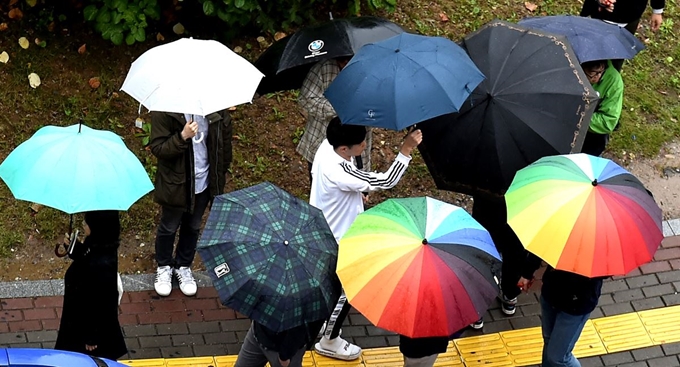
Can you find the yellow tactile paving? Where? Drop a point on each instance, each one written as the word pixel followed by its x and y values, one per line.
pixel 662 324
pixel 225 361
pixel 509 348
pixel 322 361
pixel 485 350
pixel 383 357
pixel 450 358
pixel 622 332
pixel 589 343
pixel 160 362
pixel 190 362
pixel 524 346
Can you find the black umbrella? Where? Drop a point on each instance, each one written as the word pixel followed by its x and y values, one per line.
pixel 286 63
pixel 535 101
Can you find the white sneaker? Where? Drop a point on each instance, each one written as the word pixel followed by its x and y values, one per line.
pixel 338 348
pixel 187 284
pixel 163 282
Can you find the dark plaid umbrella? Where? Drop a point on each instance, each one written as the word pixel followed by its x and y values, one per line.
pixel 535 101
pixel 271 257
pixel 286 63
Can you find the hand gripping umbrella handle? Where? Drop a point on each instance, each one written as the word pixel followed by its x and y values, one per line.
pixel 59 253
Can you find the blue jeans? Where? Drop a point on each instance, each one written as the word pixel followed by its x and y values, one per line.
pixel 560 333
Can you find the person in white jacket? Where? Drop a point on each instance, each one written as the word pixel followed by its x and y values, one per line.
pixel 338 189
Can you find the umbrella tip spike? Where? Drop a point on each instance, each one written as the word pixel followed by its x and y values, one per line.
pixel 424 241
pixel 285 243
pixel 594 182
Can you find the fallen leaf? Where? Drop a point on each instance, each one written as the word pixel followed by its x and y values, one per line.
pixel 4 57
pixel 31 3
pixel 40 42
pixel 279 35
pixel 23 42
pixel 114 95
pixel 669 156
pixel 94 83
pixel 443 17
pixel 12 2
pixel 50 27
pixel 178 28
pixel 232 108
pixel 262 42
pixel 238 49
pixel 82 49
pixel 15 14
pixel 3 26
pixel 530 6
pixel 159 37
pixel 33 80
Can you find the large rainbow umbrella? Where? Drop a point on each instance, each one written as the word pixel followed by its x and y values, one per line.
pixel 418 267
pixel 584 214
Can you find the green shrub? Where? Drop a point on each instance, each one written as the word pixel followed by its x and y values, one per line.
pixel 122 20
pixel 271 16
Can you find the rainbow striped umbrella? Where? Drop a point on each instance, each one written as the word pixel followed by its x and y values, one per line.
pixel 418 267
pixel 584 214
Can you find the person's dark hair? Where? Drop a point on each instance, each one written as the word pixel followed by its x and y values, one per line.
pixel 595 64
pixel 344 135
pixel 104 228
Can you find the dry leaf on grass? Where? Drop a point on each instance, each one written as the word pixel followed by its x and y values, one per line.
pixel 12 2
pixel 279 35
pixel 82 49
pixel 23 42
pixel 159 37
pixel 33 80
pixel 443 17
pixel 4 57
pixel 530 6
pixel 15 14
pixel 31 3
pixel 94 83
pixel 178 28
pixel 3 26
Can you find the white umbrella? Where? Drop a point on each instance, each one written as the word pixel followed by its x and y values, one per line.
pixel 191 76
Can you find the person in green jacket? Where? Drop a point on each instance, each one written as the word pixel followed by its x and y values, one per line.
pixel 608 83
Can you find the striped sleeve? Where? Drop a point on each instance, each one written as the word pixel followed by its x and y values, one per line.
pixel 355 180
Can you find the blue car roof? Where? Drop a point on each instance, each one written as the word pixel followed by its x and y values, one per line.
pixel 30 357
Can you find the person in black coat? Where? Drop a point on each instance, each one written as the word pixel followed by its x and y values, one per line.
pixel 89 321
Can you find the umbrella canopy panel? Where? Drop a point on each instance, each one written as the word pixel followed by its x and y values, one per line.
pixel 419 267
pixel 591 39
pixel 584 214
pixel 271 257
pixel 75 169
pixel 286 63
pixel 403 80
pixel 535 101
pixel 191 76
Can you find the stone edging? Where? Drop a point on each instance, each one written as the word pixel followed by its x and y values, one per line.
pixel 144 282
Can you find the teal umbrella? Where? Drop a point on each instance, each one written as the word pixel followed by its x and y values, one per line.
pixel 75 169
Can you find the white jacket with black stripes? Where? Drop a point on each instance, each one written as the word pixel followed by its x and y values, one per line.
pixel 337 186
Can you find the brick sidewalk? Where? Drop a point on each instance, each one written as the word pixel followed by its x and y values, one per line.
pixel 179 326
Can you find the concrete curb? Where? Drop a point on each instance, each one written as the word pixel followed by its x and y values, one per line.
pixel 144 282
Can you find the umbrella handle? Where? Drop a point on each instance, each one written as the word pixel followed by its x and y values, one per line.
pixel 59 253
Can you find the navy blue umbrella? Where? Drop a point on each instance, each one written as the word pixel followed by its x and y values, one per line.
pixel 591 39
pixel 403 80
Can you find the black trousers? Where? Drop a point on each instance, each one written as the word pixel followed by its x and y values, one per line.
pixel 492 215
pixel 189 225
pixel 595 144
